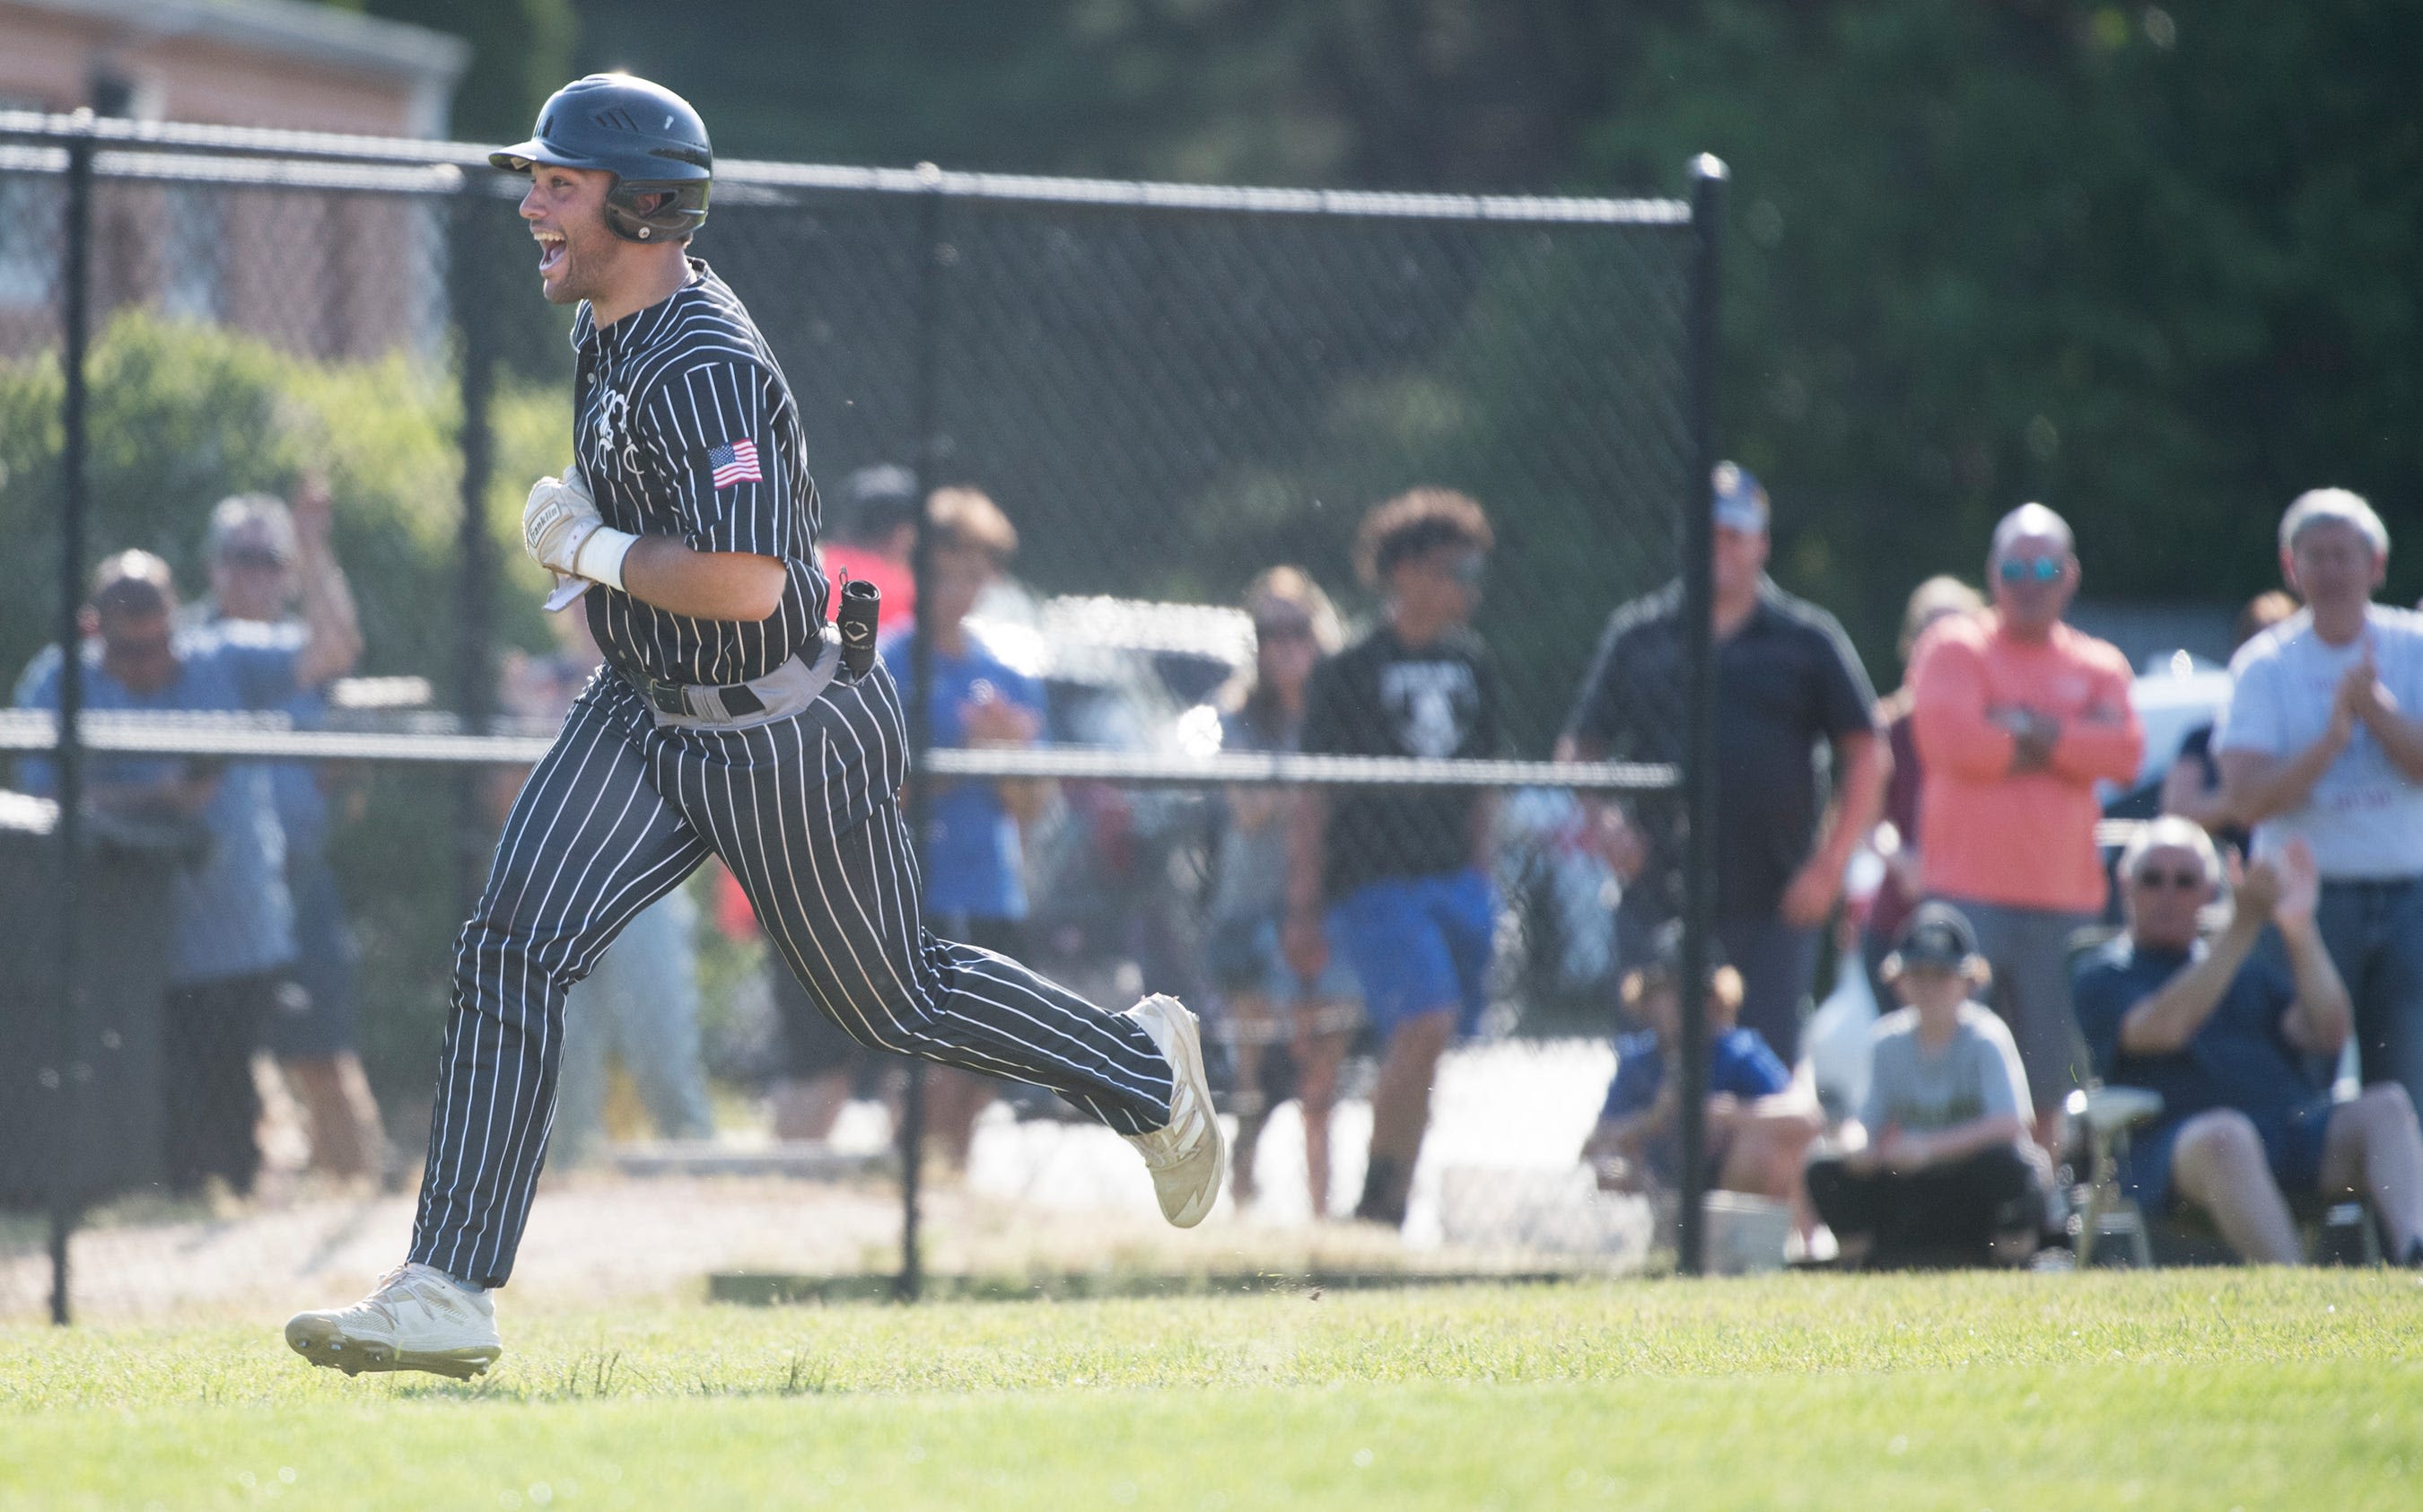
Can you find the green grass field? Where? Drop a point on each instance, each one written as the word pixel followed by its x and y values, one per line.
pixel 2196 1388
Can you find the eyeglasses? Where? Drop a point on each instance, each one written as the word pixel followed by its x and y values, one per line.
pixel 1283 630
pixel 2155 876
pixel 257 558
pixel 2018 570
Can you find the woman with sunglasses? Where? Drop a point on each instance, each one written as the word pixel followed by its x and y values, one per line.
pixel 2018 718
pixel 1282 1025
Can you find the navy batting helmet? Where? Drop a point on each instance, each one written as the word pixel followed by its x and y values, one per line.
pixel 643 133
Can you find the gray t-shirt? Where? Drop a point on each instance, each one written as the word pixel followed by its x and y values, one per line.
pixel 2364 817
pixel 1976 1075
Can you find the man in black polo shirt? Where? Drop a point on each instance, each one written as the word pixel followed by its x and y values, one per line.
pixel 1787 681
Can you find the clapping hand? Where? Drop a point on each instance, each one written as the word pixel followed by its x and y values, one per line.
pixel 2300 886
pixel 2258 890
pixel 2358 696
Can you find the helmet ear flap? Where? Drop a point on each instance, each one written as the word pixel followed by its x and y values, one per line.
pixel 653 211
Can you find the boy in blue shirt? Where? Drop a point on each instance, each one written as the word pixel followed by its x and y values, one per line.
pixel 1757 1133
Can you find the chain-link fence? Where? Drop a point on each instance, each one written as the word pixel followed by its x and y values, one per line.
pixel 219 1047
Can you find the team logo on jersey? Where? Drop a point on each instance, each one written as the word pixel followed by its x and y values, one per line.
pixel 614 440
pixel 1432 705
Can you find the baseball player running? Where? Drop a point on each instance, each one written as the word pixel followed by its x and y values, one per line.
pixel 720 724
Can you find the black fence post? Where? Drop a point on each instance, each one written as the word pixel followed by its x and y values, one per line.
pixel 66 1075
pixel 1708 178
pixel 473 283
pixel 932 257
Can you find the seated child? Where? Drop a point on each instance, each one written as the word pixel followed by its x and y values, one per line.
pixel 1758 1132
pixel 1940 1167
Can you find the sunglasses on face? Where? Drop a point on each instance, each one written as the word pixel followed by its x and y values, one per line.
pixel 2157 877
pixel 256 557
pixel 1282 631
pixel 2042 569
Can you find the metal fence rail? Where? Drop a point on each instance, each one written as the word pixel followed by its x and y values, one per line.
pixel 1167 388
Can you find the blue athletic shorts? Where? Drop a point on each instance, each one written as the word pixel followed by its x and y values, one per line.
pixel 1243 956
pixel 1421 945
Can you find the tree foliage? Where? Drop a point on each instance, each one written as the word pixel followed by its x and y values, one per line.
pixel 182 414
pixel 2155 267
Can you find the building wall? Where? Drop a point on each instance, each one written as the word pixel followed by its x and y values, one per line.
pixel 332 276
pixel 49 59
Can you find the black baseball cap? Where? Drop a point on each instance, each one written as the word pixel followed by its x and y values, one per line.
pixel 1938 935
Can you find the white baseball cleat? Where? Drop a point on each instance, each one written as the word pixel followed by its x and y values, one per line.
pixel 415 1319
pixel 1188 1155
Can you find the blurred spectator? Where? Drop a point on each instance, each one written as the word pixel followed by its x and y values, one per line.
pixel 2219 1030
pixel 2192 787
pixel 2018 718
pixel 1940 1165
pixel 1404 868
pixel 1758 1132
pixel 2317 746
pixel 969 851
pixel 1279 1016
pixel 254 542
pixel 1787 682
pixel 872 534
pixel 640 1001
pixel 232 919
pixel 1896 838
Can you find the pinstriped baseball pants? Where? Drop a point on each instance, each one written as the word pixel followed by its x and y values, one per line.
pixel 804 811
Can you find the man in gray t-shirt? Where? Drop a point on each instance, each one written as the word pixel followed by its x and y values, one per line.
pixel 1940 1165
pixel 2322 743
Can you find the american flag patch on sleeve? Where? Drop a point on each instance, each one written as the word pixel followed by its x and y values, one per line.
pixel 734 463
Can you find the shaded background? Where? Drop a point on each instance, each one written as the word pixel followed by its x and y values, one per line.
pixel 2155 268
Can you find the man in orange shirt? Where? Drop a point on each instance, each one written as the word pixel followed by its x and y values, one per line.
pixel 2018 717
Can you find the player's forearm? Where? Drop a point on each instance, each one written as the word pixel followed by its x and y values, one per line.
pixel 1866 765
pixel 662 570
pixel 2324 1015
pixel 1308 849
pixel 1962 1140
pixel 2100 749
pixel 2165 1021
pixel 333 641
pixel 1955 734
pixel 1024 798
pixel 2401 740
pixel 2257 786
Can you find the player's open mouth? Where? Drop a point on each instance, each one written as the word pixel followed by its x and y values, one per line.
pixel 550 249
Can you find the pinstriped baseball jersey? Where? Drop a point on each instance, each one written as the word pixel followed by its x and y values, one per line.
pixel 684 426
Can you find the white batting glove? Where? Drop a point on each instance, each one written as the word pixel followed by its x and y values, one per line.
pixel 558 517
